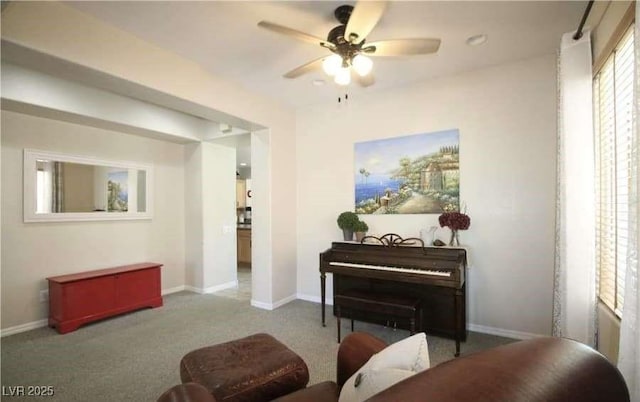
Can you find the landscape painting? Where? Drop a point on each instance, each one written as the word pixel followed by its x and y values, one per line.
pixel 414 174
pixel 118 197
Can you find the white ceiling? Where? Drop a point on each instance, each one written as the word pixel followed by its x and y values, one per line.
pixel 223 37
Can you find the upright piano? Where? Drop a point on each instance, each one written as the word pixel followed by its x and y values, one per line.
pixel 390 264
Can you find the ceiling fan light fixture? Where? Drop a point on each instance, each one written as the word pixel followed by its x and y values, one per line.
pixel 350 47
pixel 362 65
pixel 332 64
pixel 343 76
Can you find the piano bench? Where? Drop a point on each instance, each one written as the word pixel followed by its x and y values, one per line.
pixel 387 304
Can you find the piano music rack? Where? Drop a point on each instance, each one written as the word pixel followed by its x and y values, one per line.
pixel 393 240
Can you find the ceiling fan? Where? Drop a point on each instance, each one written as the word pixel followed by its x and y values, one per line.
pixel 348 43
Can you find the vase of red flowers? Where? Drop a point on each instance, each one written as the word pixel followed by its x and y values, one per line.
pixel 455 221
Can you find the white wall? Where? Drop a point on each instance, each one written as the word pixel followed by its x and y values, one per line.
pixel 33 251
pixel 56 29
pixel 507 121
pixel 210 222
pixel 31 87
pixel 219 216
pixel 261 240
pixel 193 224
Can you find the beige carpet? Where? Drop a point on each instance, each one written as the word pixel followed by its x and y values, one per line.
pixel 135 357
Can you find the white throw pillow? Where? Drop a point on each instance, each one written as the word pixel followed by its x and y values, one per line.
pixel 387 367
pixel 370 383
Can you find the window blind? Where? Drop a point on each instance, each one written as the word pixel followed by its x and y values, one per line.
pixel 613 122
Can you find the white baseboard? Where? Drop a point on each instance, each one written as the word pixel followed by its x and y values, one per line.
pixel 217 288
pixel 43 323
pixel 173 290
pixel 273 306
pixel 23 327
pixel 212 289
pixel 507 333
pixel 315 299
pixel 471 327
pixel 192 289
pixel 284 301
pixel 264 306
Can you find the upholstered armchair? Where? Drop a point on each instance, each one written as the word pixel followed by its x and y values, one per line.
pixel 543 369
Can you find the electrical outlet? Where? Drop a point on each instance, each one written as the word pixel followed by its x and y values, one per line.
pixel 44 296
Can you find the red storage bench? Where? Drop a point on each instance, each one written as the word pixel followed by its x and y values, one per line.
pixel 84 297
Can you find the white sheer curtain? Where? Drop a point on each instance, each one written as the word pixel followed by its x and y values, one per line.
pixel 629 351
pixel 574 304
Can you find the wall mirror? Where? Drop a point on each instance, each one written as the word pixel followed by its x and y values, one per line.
pixel 60 187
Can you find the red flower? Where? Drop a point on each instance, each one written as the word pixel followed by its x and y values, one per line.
pixel 454 220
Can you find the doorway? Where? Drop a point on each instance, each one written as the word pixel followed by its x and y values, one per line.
pixel 241 142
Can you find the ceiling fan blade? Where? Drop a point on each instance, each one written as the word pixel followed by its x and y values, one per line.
pixel 305 68
pixel 401 47
pixel 365 81
pixel 363 19
pixel 295 34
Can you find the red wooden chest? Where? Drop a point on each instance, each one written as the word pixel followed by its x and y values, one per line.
pixel 84 297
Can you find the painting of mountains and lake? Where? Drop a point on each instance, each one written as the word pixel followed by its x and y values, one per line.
pixel 413 174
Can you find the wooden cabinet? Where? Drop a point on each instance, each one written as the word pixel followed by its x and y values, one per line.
pixel 241 190
pixel 244 246
pixel 84 297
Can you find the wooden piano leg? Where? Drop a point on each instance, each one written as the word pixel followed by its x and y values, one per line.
pixel 458 329
pixel 322 292
pixel 338 320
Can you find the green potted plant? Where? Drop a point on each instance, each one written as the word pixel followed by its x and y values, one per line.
pixel 347 222
pixel 361 230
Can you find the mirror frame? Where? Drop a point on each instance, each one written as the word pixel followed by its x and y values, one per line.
pixel 29 189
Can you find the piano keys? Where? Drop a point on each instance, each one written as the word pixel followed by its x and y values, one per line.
pixel 393 269
pixel 396 265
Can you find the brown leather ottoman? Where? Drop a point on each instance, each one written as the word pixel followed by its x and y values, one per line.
pixel 257 368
